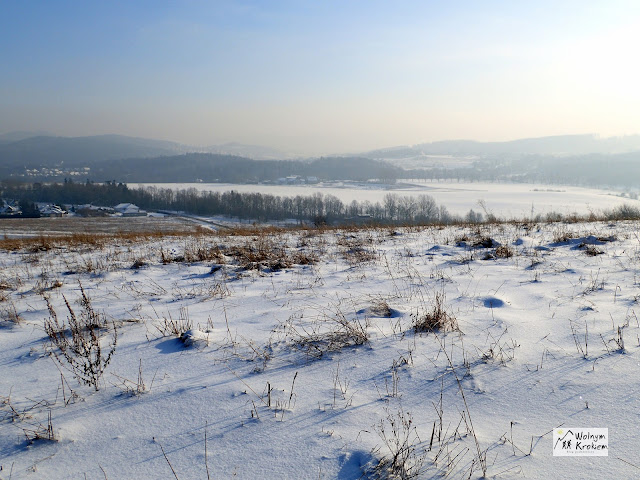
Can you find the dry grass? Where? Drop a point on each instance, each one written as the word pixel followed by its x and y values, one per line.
pixel 562 235
pixel 175 327
pixel 9 315
pixel 504 251
pixel 591 250
pixel 44 243
pixel 437 319
pixel 403 458
pixel 329 333
pixel 41 432
pixel 356 248
pixel 78 340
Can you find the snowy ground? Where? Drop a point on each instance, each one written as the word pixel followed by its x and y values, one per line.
pixel 301 360
pixel 505 200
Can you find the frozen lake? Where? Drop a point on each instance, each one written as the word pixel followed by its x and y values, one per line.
pixel 509 200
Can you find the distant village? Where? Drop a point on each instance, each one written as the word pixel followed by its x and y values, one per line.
pixel 297 180
pixel 14 209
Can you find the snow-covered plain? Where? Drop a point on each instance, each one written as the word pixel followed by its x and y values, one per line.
pixel 505 200
pixel 301 359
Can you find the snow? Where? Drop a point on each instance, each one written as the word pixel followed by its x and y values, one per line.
pixel 295 369
pixel 505 200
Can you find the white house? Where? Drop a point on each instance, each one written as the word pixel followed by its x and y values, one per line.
pixel 47 210
pixel 129 210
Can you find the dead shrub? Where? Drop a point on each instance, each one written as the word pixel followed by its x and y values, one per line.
pixel 79 340
pixel 404 459
pixel 562 235
pixel 9 315
pixel 435 320
pixel 590 250
pixel 330 333
pixel 92 240
pixel 138 263
pixel 200 252
pixel 504 251
pixel 304 258
pixel 483 242
pixel 261 253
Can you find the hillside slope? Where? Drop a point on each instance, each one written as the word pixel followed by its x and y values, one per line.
pixel 311 354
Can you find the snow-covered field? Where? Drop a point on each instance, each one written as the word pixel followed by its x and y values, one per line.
pixel 301 354
pixel 505 200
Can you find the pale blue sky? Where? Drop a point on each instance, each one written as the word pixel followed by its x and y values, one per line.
pixel 320 76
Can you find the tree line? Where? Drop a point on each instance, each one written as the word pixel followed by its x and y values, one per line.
pixel 316 207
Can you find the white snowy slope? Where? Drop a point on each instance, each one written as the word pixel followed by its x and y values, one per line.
pixel 296 354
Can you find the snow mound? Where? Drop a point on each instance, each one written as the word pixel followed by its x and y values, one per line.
pixel 195 338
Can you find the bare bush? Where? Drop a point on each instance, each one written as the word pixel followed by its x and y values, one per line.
pixel 562 235
pixel 330 333
pixel 79 341
pixel 9 315
pixel 198 251
pixel 259 254
pixel 504 251
pixel 435 320
pixel 355 250
pixel 591 250
pixel 402 459
pixel 624 212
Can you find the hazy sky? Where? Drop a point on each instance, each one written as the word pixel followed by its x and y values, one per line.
pixel 320 76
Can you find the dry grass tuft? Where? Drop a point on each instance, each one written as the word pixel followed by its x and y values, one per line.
pixel 590 250
pixel 9 315
pixel 504 251
pixel 435 320
pixel 175 327
pixel 327 334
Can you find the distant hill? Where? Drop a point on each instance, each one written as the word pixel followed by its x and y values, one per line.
pixel 584 159
pixel 131 159
pixel 561 145
pixel 105 159
pixel 209 167
pixel 26 150
pixel 20 135
pixel 81 151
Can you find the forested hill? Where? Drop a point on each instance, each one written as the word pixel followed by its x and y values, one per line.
pixel 227 168
pixel 206 167
pixel 49 151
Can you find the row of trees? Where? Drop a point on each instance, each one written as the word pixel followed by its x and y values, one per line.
pixel 316 207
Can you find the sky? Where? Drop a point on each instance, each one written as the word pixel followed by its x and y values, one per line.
pixel 320 77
